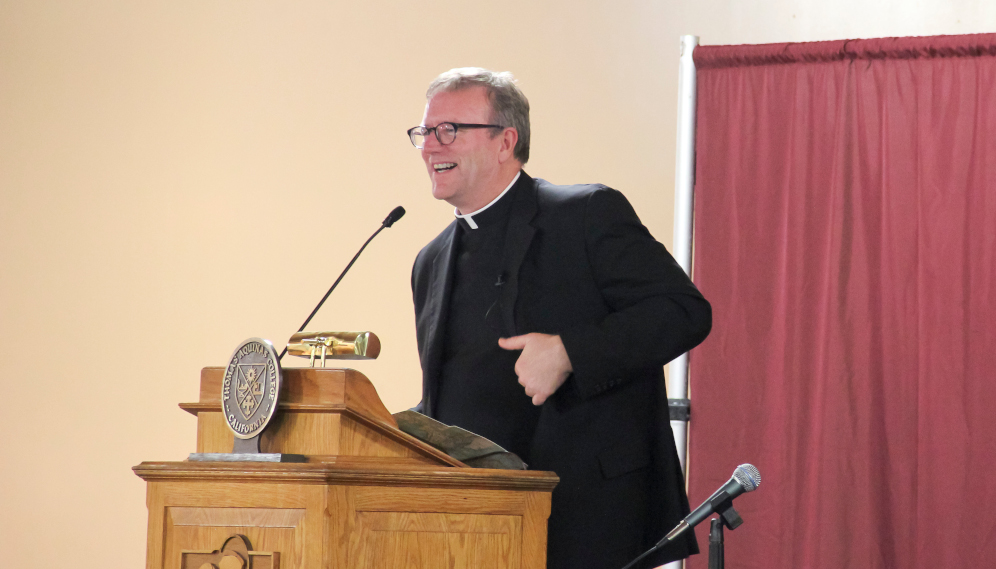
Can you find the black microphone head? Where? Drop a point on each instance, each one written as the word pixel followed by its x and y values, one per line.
pixel 396 214
pixel 748 477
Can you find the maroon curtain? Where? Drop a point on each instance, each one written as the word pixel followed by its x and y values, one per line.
pixel 846 235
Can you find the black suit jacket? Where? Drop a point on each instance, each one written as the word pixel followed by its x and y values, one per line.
pixel 579 263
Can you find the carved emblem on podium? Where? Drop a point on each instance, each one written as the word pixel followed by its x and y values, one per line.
pixel 250 391
pixel 235 553
pixel 250 387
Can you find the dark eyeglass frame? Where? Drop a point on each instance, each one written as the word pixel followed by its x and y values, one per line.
pixel 424 132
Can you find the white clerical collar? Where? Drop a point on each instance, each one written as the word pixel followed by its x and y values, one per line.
pixel 469 217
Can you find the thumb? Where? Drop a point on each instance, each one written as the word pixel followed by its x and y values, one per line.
pixel 513 343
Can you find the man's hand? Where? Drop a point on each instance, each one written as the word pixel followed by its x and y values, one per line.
pixel 543 365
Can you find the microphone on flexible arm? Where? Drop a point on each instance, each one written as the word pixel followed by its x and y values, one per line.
pixel 746 478
pixel 396 214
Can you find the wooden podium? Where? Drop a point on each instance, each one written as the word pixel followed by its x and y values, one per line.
pixel 369 496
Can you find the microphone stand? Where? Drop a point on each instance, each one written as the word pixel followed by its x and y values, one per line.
pixel 717 557
pixel 727 517
pixel 391 218
pixel 745 478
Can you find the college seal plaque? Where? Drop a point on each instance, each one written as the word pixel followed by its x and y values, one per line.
pixel 250 387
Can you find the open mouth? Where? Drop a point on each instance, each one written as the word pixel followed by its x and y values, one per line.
pixel 444 166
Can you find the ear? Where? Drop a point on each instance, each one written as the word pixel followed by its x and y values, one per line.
pixel 509 137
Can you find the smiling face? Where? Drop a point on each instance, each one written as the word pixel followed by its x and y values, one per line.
pixel 472 170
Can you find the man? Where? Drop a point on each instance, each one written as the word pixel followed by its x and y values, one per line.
pixel 544 316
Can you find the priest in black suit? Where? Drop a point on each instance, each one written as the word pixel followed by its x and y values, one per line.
pixel 544 316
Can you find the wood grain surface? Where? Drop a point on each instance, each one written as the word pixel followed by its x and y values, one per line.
pixel 369 496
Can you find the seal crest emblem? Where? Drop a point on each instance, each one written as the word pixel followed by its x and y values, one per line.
pixel 250 388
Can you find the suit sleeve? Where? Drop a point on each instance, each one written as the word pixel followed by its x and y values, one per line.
pixel 655 312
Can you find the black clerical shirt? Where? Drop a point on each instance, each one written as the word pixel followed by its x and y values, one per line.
pixel 478 389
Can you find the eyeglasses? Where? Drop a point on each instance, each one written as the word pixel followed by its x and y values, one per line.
pixel 445 132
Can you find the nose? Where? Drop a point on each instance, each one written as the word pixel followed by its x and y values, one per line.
pixel 430 146
pixel 430 141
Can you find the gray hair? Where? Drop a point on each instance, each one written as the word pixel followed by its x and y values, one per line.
pixel 509 107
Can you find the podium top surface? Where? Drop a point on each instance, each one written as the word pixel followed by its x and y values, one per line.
pixel 304 387
pixel 350 472
pixel 315 396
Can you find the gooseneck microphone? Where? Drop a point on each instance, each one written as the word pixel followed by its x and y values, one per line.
pixel 746 478
pixel 396 214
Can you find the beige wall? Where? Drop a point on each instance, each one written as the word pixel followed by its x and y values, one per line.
pixel 178 176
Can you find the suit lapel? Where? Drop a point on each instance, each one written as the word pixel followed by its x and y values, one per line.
pixel 518 236
pixel 436 308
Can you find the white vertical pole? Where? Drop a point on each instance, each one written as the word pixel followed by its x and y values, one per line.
pixel 684 183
